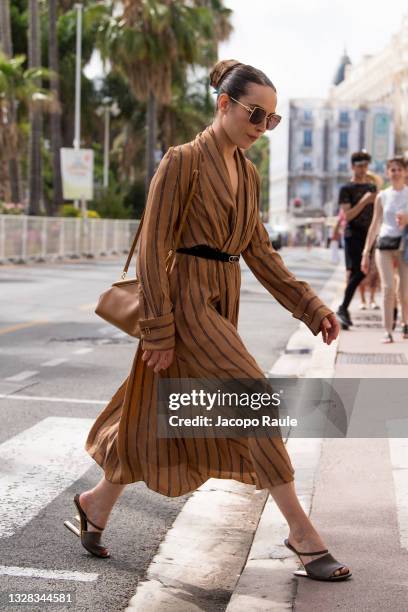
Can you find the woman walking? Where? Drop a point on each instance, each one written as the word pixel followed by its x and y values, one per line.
pixel 189 326
pixel 389 220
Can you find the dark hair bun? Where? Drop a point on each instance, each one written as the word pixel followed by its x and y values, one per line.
pixel 220 70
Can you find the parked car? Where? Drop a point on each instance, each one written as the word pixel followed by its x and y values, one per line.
pixel 274 236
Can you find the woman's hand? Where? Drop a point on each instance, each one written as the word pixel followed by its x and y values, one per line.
pixel 402 219
pixel 330 328
pixel 158 360
pixel 365 263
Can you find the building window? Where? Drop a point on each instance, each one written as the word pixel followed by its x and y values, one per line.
pixel 305 190
pixel 307 138
pixel 307 164
pixel 343 167
pixel 307 115
pixel 343 143
pixel 344 117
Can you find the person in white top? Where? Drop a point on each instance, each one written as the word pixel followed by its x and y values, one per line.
pixel 389 220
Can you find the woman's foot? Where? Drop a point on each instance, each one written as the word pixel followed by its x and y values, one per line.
pixel 92 511
pixel 363 306
pixel 311 541
pixel 374 306
pixel 405 331
pixel 387 338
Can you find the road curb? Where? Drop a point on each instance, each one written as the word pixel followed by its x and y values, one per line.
pixel 306 355
pixel 204 551
pixel 266 583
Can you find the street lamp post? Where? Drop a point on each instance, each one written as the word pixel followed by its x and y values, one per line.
pixel 106 110
pixel 78 61
pixel 106 146
pixel 77 133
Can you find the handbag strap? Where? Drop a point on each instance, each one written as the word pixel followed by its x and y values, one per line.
pixel 178 234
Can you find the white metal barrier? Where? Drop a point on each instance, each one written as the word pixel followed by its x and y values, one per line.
pixel 24 238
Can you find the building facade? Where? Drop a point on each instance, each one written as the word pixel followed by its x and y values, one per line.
pixel 310 155
pixel 381 79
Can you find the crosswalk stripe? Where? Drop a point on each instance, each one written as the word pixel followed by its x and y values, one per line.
pixel 58 400
pixel 54 362
pixel 82 351
pixel 22 375
pixel 37 465
pixel 34 572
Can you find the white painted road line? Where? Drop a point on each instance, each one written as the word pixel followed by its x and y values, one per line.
pixel 61 400
pixel 399 462
pixel 82 351
pixel 34 468
pixel 54 362
pixel 22 375
pixel 120 334
pixel 34 572
pixel 105 329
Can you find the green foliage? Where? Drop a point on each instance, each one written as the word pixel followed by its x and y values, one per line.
pixel 10 208
pixel 134 200
pixel 259 155
pixel 69 210
pixel 92 214
pixel 160 49
pixel 109 203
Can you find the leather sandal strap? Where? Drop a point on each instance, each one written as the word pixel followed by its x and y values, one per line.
pixel 312 554
pixel 93 524
pixel 323 567
pixel 82 512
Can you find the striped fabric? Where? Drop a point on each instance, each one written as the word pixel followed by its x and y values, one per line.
pixel 195 310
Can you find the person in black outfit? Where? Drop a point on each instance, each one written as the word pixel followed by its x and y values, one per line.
pixel 357 199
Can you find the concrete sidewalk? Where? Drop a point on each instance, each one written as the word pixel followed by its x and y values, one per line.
pixel 357 497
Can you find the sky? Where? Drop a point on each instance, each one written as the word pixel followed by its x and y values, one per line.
pixel 299 43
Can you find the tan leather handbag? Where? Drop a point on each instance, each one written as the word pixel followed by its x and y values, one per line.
pixel 120 304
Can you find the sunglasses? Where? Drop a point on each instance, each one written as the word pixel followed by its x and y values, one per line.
pixel 257 115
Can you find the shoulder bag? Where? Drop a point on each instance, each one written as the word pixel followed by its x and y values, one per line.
pixel 388 243
pixel 120 304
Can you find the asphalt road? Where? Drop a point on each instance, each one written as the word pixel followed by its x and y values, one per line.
pixel 54 350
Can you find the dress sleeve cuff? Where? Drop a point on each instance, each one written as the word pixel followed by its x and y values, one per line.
pixel 311 311
pixel 158 334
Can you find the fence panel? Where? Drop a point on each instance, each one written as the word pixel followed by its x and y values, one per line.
pixel 25 238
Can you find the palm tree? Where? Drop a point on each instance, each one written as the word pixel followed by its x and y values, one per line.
pixel 35 165
pixel 7 47
pixel 21 86
pixel 146 45
pixel 55 118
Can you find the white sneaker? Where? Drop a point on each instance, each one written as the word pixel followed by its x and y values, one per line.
pixel 374 306
pixel 387 338
pixel 363 306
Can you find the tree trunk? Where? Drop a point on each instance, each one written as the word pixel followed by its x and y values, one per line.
pixel 55 118
pixel 151 124
pixel 7 47
pixel 35 165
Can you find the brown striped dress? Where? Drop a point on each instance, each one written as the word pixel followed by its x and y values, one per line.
pixel 195 310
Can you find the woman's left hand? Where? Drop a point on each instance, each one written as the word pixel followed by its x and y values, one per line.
pixel 330 328
pixel 402 219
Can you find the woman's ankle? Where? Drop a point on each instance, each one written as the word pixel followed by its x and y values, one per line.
pixel 91 503
pixel 303 532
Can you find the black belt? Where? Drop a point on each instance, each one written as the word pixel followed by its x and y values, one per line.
pixel 203 250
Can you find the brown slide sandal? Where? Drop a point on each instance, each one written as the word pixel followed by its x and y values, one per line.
pixel 90 540
pixel 320 569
